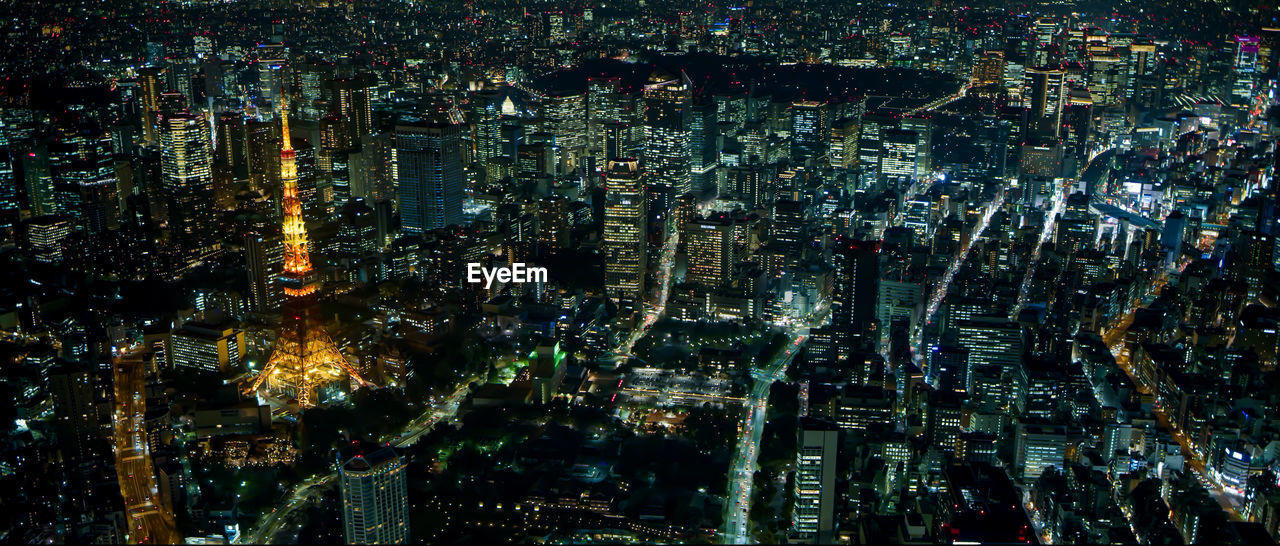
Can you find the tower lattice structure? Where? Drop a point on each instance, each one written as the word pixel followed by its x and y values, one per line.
pixel 305 357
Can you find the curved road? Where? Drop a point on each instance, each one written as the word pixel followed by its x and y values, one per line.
pixel 308 490
pixel 736 528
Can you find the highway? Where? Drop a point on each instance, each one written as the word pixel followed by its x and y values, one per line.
pixel 308 490
pixel 742 467
pixel 149 520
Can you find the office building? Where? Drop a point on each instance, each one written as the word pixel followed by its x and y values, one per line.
pixel 1037 447
pixel 429 171
pixel 668 128
pixel 709 243
pixel 187 168
pixel 624 243
pixel 814 513
pixel 217 347
pixel 375 494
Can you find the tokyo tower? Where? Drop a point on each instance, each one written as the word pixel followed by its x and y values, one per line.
pixel 305 357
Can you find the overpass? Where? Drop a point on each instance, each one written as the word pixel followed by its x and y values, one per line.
pixel 1133 218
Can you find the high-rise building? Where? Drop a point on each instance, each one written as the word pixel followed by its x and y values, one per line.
pixel 1039 446
pixel 712 254
pixel 229 143
pixel 814 517
pixel 1044 96
pixel 264 261
pixel 484 114
pixel 216 347
pixel 79 409
pixel 351 100
pixel 1256 262
pixel 854 290
pixel 151 80
pixel 187 176
pixel 989 69
pixel 923 127
pixel 869 141
pixel 842 148
pixel 375 495
pixel 10 204
pixel 1245 69
pixel 898 154
pixel 668 127
pixel 810 124
pixel 82 169
pixel 704 144
pixel 623 244
pixel 555 227
pixel 262 151
pixel 613 111
pixel 1043 50
pixel 565 116
pixel 333 160
pixel 429 170
pixel 1075 233
pixel 995 344
pixel 45 235
pixel 788 234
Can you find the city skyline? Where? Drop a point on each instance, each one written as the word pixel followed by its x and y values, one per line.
pixel 741 272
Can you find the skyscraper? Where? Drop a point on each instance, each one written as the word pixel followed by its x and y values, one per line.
pixel 667 132
pixel 923 128
pixel 84 177
pixel 816 482
pixel 264 259
pixel 855 288
pixel 810 123
pixel 333 165
pixel 611 103
pixel 869 143
pixel 187 171
pixel 485 118
pixel 375 495
pixel 992 343
pixel 703 145
pixel 842 147
pixel 898 155
pixel 350 100
pixel 429 169
pixel 624 232
pixel 1044 96
pixel 711 251
pixel 151 79
pixel 566 117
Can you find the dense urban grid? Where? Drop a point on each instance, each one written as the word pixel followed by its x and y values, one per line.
pixel 756 271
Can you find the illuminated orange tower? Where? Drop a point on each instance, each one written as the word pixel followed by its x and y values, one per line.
pixel 305 357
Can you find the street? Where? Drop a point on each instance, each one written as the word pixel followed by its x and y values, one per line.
pixel 736 528
pixel 274 521
pixel 149 520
